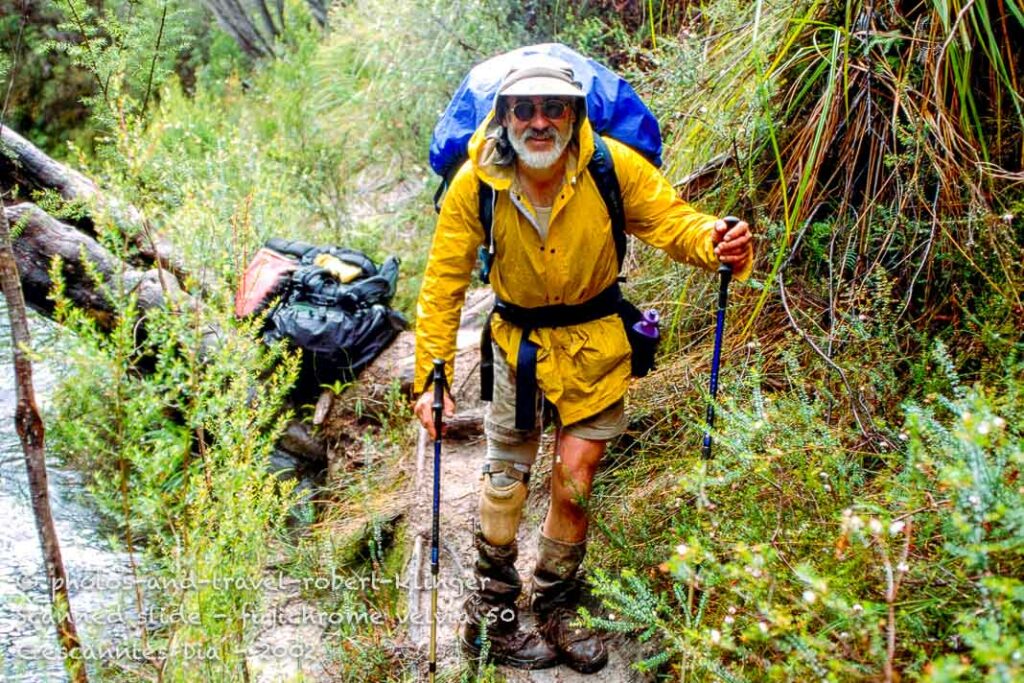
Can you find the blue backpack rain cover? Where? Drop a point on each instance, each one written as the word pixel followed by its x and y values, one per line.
pixel 613 107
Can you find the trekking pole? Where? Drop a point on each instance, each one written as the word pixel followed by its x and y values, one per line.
pixel 435 534
pixel 725 272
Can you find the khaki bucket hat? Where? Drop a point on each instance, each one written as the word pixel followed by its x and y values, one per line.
pixel 540 75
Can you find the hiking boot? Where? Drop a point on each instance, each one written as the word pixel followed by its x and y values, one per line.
pixel 556 591
pixel 491 611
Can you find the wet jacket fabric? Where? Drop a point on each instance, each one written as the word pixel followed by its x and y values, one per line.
pixel 581 369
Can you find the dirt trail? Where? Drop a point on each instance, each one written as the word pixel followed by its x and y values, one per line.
pixel 460 466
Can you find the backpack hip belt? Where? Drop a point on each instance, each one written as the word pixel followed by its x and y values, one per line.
pixel 608 302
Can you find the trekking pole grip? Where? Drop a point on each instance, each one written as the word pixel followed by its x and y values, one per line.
pixel 724 269
pixel 439 389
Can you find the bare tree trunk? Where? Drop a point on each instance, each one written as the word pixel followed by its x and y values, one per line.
pixel 318 8
pixel 233 18
pixel 279 9
pixel 30 430
pixel 268 23
pixel 41 238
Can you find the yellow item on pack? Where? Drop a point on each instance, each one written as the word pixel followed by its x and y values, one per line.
pixel 343 272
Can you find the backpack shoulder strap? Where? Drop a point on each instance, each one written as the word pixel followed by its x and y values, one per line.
pixel 486 208
pixel 602 170
pixel 486 212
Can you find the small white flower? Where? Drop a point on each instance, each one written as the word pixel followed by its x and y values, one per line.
pixel 902 567
pixel 843 635
pixel 732 609
pixel 763 626
pixel 729 619
pixel 973 499
pixel 855 523
pixel 999 423
pixel 896 527
pixel 682 549
pixel 716 636
pixel 1007 217
pixel 875 525
pixel 857 608
pixel 809 597
pixel 863 317
pixel 612 616
pixel 828 489
pixel 904 436
pixel 983 427
pixel 823 475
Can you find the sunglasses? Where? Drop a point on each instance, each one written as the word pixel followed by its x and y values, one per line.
pixel 524 110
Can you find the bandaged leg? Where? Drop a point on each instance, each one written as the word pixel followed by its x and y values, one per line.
pixel 506 473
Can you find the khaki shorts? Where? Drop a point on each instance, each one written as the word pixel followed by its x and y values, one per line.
pixel 500 416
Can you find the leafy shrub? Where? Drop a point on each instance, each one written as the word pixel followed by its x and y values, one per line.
pixel 800 557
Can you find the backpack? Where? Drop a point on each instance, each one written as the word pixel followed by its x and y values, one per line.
pixel 341 325
pixel 613 108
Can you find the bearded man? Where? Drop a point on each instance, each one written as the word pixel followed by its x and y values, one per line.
pixel 557 339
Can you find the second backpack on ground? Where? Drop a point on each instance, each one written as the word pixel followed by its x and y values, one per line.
pixel 333 303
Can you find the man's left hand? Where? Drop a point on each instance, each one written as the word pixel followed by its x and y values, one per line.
pixel 733 246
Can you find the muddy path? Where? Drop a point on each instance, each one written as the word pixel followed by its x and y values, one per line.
pixel 460 471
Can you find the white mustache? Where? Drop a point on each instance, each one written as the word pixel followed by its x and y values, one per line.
pixel 546 134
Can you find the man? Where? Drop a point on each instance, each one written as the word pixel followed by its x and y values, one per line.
pixel 554 251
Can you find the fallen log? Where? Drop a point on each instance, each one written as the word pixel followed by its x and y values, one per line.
pixel 41 238
pixel 25 166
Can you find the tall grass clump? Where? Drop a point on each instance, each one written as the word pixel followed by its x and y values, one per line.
pixel 864 142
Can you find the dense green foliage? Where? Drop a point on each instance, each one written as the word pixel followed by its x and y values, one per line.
pixel 863 517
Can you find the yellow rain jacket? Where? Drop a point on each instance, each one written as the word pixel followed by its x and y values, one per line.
pixel 582 369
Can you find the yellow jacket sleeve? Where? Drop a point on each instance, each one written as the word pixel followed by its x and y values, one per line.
pixel 449 267
pixel 656 214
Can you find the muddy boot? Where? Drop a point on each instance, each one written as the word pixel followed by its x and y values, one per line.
pixel 492 609
pixel 556 591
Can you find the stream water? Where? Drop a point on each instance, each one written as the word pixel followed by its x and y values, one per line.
pixel 99 576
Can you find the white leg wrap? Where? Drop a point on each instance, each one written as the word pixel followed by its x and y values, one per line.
pixel 502 495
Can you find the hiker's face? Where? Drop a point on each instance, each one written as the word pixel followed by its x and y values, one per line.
pixel 539 128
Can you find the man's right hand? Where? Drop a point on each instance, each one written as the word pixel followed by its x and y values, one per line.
pixel 424 410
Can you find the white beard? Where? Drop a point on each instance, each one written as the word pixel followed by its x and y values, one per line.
pixel 538 160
